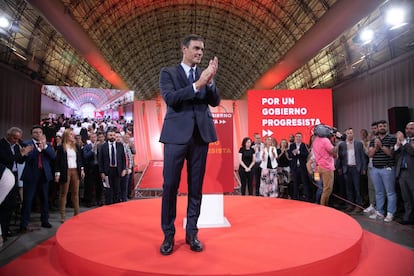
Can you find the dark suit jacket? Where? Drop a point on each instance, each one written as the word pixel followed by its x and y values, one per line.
pixel 31 172
pixel 103 158
pixel 6 155
pixel 409 155
pixel 88 155
pixel 302 156
pixel 61 162
pixel 185 109
pixel 359 156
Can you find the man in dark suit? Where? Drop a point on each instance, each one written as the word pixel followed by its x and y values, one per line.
pixel 93 185
pixel 187 130
pixel 352 165
pixel 298 152
pixel 112 169
pixel 36 175
pixel 11 153
pixel 404 148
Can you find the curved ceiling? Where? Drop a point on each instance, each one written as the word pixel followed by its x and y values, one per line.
pixel 134 39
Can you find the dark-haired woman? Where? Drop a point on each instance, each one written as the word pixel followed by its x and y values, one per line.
pixel 246 163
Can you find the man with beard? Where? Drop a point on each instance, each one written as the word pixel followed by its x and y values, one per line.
pixel 112 166
pixel 371 190
pixel 405 170
pixel 383 172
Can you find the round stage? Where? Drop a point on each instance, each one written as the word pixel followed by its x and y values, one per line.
pixel 267 236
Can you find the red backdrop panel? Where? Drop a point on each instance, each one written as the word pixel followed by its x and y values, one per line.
pixel 219 176
pixel 279 113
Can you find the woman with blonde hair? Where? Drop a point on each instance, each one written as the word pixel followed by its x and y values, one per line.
pixel 68 171
pixel 268 183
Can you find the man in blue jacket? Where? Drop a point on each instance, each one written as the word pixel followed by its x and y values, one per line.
pixel 187 130
pixel 37 174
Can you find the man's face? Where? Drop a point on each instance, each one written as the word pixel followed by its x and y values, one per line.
pixel 110 136
pixel 409 130
pixel 374 129
pixel 349 134
pixel 14 138
pixel 101 138
pixel 382 128
pixel 93 138
pixel 291 138
pixel 257 139
pixel 37 134
pixel 298 138
pixel 193 53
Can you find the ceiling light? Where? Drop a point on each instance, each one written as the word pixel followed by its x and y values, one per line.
pixel 366 36
pixel 395 17
pixel 4 22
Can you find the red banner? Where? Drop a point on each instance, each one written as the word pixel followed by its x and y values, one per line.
pixel 219 177
pixel 279 113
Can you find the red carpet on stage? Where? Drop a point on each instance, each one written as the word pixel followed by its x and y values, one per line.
pixel 267 237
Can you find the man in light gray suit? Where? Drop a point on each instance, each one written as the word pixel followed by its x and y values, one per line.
pixel 352 165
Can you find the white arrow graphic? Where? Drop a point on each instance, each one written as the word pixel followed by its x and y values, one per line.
pixel 267 132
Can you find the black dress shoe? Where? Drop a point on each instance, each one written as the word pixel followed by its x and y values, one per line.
pixel 195 244
pixel 46 225
pixel 11 234
pixel 167 246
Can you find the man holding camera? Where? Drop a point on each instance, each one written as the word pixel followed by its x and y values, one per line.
pixel 325 153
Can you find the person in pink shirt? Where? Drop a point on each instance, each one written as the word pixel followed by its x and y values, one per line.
pixel 325 153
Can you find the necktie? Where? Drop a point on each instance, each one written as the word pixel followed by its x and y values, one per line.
pixel 112 155
pixel 191 76
pixel 39 161
pixel 404 158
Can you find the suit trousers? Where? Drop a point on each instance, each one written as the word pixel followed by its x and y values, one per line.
pixel 407 193
pixel 195 153
pixel 29 192
pixel 113 193
pixel 352 185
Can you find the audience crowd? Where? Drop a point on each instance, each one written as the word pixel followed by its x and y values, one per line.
pixel 61 161
pixel 373 174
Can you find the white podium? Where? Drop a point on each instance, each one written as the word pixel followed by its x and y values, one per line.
pixel 212 212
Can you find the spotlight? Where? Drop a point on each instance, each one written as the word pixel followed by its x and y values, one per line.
pixel 4 23
pixel 364 36
pixel 395 17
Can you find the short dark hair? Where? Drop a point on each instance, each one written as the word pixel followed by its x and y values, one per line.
pixel 375 123
pixel 381 122
pixel 186 40
pixel 34 127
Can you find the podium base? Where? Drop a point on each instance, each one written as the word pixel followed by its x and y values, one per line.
pixel 211 213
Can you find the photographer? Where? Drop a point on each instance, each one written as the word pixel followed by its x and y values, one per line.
pixel 324 152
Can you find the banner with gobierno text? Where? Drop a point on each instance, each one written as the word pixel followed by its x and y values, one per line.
pixel 279 113
pixel 219 176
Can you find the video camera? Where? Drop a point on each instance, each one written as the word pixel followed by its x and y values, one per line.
pixel 322 130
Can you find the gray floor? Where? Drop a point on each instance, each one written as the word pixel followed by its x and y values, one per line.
pixel 16 246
